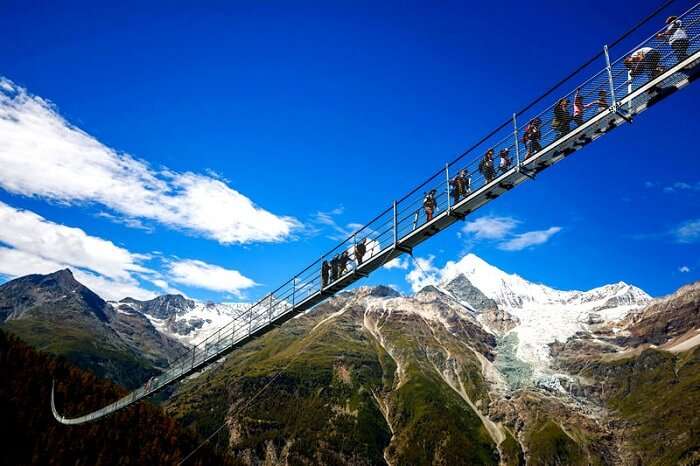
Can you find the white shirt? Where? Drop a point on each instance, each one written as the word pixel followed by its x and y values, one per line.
pixel 641 53
pixel 678 33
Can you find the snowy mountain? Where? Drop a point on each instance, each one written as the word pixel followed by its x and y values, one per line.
pixel 544 314
pixel 511 291
pixel 186 320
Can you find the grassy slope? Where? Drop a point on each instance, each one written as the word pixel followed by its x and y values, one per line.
pixel 323 408
pixel 658 394
pixel 84 349
pixel 320 408
pixel 30 435
pixel 434 424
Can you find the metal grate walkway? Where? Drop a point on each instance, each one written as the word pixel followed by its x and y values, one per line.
pixel 401 227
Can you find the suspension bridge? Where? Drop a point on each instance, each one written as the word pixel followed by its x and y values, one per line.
pixel 621 93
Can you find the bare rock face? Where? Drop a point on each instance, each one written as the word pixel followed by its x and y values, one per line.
pixel 465 291
pixel 499 320
pixel 666 318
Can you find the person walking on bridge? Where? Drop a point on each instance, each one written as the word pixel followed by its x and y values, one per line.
pixel 504 160
pixel 334 267
pixel 360 251
pixel 645 60
pixel 343 263
pixel 459 186
pixel 579 108
pixel 325 269
pixel 676 37
pixel 486 166
pixel 429 204
pixel 601 102
pixel 562 118
pixel 531 137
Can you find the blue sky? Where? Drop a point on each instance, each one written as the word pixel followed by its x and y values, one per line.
pixel 221 148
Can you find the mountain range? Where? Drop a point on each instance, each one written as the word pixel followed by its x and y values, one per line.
pixel 479 367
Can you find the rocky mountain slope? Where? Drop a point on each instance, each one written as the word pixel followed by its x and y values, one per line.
pixel 57 314
pixel 482 367
pixel 182 319
pixel 372 377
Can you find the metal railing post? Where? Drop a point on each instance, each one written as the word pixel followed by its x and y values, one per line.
pixel 515 137
pixel 294 291
pixel 396 225
pixel 269 319
pixel 610 78
pixel 447 187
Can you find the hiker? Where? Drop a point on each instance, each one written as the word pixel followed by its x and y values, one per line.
pixel 602 101
pixel 504 161
pixel 459 186
pixel 486 166
pixel 562 118
pixel 429 205
pixel 579 107
pixel 343 263
pixel 644 61
pixel 360 251
pixel 531 137
pixel 676 37
pixel 334 267
pixel 325 269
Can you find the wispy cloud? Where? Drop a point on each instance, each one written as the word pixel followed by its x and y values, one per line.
pixel 207 276
pixel 687 232
pixel 400 263
pixel 684 269
pixel 502 230
pixel 490 227
pixel 129 222
pixel 526 240
pixel 31 244
pixel 424 274
pixel 43 155
pixel 30 233
pixel 327 220
pixel 682 186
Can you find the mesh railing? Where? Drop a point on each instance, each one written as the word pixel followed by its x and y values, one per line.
pixel 542 127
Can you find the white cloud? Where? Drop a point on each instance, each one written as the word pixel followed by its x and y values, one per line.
pixel 688 232
pixel 30 233
pixel 424 274
pixel 328 220
pixel 684 269
pixel 682 186
pixel 42 155
pixel 207 276
pixel 490 227
pixel 530 238
pixel 16 263
pixel 400 263
pixel 501 229
pixel 113 290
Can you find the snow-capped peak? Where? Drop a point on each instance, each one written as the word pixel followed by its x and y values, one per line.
pixel 186 320
pixel 511 291
pixel 544 314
